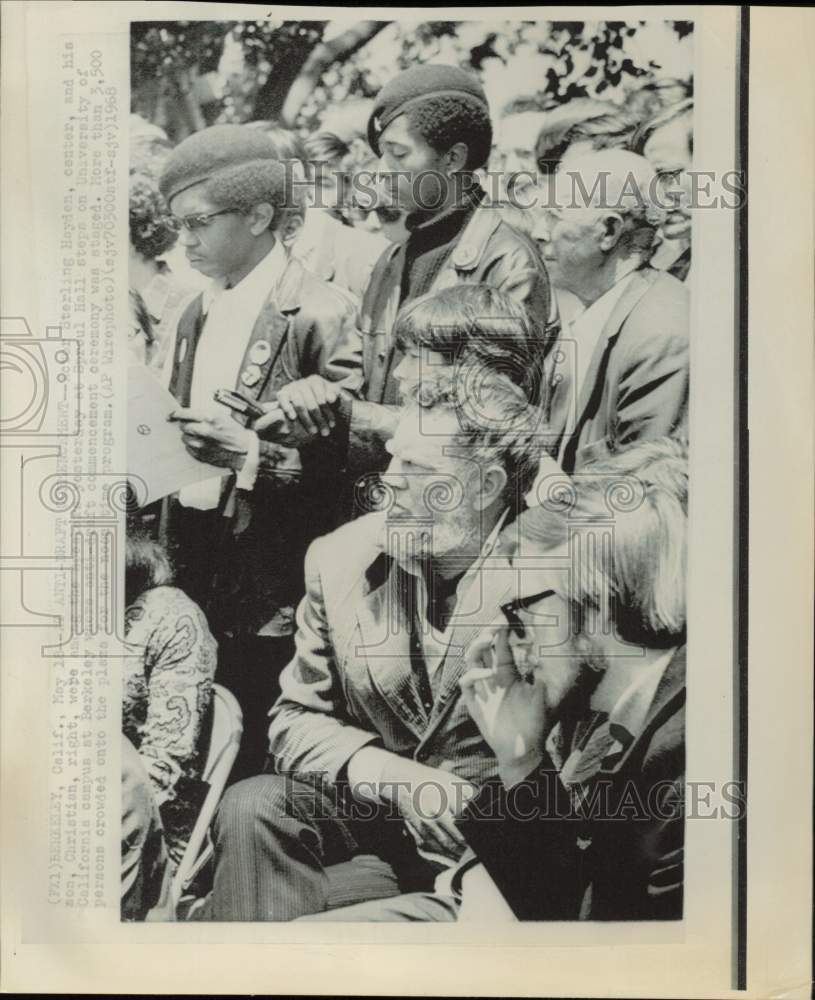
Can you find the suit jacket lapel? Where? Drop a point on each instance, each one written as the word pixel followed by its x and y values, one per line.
pixel 594 378
pixel 387 646
pixel 188 334
pixel 270 331
pixel 493 584
pixel 668 699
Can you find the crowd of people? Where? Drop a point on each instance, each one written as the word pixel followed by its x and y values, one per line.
pixel 444 574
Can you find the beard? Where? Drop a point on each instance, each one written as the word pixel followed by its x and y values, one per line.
pixel 570 678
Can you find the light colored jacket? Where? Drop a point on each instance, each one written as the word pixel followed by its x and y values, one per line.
pixel 353 681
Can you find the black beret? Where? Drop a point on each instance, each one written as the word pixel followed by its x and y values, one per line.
pixel 417 84
pixel 205 154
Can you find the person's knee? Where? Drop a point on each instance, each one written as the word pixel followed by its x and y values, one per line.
pixel 255 800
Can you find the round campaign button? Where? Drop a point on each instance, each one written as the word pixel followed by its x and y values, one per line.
pixel 251 375
pixel 260 352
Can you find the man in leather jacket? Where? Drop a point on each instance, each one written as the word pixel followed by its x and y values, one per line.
pixel 431 129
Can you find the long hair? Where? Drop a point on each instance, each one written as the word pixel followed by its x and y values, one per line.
pixel 146 566
pixel 644 132
pixel 477 327
pixel 640 580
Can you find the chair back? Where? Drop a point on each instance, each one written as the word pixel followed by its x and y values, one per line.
pixel 224 743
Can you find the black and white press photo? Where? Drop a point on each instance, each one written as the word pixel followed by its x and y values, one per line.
pixel 411 304
pixel 405 533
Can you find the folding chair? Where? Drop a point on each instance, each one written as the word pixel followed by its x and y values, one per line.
pixel 224 743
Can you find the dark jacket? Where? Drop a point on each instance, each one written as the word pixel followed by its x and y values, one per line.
pixel 620 857
pixel 255 553
pixel 488 251
pixel 636 385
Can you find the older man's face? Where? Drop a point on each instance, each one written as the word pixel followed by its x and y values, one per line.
pixel 568 238
pixel 668 151
pixel 431 514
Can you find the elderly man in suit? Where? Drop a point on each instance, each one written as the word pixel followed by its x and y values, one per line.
pixel 374 750
pixel 619 372
pixel 579 688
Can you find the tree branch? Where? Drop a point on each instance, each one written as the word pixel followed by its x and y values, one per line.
pixel 320 58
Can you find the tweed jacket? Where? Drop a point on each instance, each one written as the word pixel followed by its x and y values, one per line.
pixel 357 677
pixel 636 384
pixel 618 856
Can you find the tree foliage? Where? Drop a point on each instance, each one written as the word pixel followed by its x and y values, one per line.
pixel 186 74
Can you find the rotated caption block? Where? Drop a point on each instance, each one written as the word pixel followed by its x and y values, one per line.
pixel 63 528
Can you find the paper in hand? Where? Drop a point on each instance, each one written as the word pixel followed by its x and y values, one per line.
pixel 155 453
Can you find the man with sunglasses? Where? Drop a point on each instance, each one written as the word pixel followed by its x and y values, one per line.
pixel 239 541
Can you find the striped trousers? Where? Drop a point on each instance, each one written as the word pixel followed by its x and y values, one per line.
pixel 286 849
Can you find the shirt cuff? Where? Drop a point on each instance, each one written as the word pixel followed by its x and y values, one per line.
pixel 249 470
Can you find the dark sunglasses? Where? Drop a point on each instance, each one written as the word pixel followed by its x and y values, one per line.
pixel 510 610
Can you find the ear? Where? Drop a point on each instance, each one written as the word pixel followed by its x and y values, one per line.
pixel 290 226
pixel 456 157
pixel 493 484
pixel 612 229
pixel 260 218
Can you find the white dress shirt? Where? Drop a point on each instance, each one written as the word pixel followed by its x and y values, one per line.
pixel 230 318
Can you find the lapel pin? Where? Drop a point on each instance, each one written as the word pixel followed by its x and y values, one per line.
pixel 251 375
pixel 260 352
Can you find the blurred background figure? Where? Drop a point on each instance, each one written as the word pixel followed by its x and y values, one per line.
pixel 317 232
pixel 619 372
pixel 166 688
pixel 370 205
pixel 158 292
pixel 327 154
pixel 648 100
pixel 514 142
pixel 149 146
pixel 551 142
pixel 666 140
pixel 607 131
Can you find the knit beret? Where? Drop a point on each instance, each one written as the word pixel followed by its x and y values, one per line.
pixel 417 84
pixel 204 155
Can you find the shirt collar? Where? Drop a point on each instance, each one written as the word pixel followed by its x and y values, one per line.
pixel 251 291
pixel 599 311
pixel 631 708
